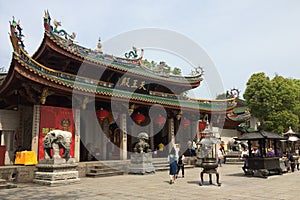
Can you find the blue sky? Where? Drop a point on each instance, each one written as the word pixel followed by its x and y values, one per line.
pixel 240 37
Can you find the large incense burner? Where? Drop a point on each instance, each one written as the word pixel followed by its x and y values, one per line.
pixel 209 164
pixel 209 158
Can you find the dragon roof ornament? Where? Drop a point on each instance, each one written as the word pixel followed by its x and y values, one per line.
pixel 198 71
pixel 16 35
pixel 54 29
pixel 67 40
pixel 233 93
pixel 134 53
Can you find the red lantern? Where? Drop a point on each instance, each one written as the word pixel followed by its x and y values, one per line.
pixel 185 122
pixel 160 120
pixel 102 114
pixel 201 126
pixel 138 117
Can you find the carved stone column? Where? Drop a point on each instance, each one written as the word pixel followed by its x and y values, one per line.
pixel 151 131
pixel 104 138
pixel 77 136
pixel 123 137
pixel 35 129
pixel 171 134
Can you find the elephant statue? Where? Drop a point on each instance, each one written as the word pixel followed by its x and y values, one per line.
pixel 142 145
pixel 55 140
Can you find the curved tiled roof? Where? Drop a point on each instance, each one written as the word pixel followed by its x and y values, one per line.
pixel 239 116
pixel 117 63
pixel 102 89
pixel 33 70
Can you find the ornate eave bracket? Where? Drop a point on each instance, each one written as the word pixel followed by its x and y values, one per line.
pixel 44 94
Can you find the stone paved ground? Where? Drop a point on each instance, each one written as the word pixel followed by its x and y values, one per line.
pixel 156 186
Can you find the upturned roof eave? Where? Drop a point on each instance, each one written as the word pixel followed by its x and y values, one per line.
pixel 193 81
pixel 142 98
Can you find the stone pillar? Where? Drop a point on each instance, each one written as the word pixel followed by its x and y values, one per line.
pixel 8 138
pixel 171 133
pixel 151 131
pixel 104 138
pixel 123 138
pixel 194 129
pixel 2 140
pixel 35 129
pixel 77 136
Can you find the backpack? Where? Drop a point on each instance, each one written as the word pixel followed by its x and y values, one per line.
pixel 180 163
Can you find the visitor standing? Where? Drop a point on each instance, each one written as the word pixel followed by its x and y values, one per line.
pixel 180 164
pixel 220 156
pixel 256 151
pixel 194 147
pixel 172 159
pixel 161 149
pixel 244 157
pixel 291 161
pixel 271 153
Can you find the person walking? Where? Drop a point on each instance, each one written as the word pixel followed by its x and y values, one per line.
pixel 172 159
pixel 244 157
pixel 220 156
pixel 180 165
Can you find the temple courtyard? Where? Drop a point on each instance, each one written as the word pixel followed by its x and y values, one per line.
pixel 235 185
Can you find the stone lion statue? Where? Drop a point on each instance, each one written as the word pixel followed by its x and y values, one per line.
pixel 142 145
pixel 55 140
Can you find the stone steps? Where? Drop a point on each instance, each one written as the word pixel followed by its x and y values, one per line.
pixel 233 158
pixel 116 168
pixel 161 164
pixel 6 185
pixel 234 161
pixel 103 171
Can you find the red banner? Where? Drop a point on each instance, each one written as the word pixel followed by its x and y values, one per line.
pixel 55 118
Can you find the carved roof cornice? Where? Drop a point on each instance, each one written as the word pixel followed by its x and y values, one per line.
pixel 31 69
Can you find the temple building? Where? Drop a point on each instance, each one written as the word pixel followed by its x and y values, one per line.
pixel 105 101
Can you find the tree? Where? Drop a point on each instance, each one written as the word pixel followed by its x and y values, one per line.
pixel 297 106
pixel 258 95
pixel 274 102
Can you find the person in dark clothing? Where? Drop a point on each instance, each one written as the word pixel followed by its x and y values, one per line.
pixel 180 164
pixel 291 161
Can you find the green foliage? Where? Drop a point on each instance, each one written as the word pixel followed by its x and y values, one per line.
pixel 221 96
pixel 176 71
pixel 162 65
pixel 259 95
pixel 276 102
pixel 150 65
pixel 281 120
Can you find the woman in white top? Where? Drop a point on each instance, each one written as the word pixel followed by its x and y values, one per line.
pixel 220 156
